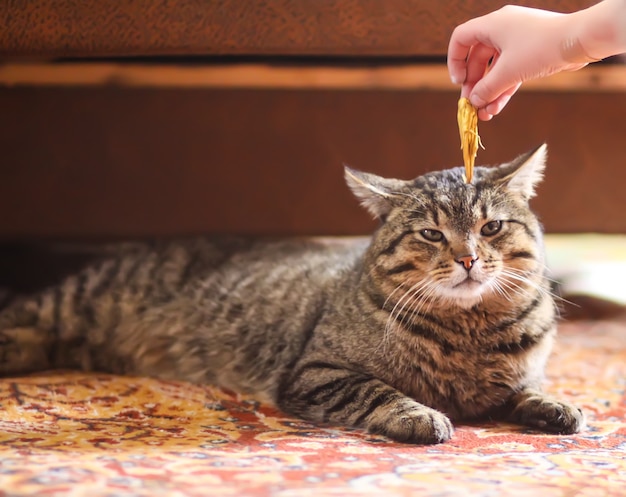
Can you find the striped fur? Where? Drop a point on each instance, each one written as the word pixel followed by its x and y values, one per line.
pixel 443 315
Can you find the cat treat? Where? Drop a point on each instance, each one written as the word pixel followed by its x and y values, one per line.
pixel 467 117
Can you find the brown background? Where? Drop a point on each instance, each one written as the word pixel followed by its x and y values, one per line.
pixel 104 161
pixel 89 28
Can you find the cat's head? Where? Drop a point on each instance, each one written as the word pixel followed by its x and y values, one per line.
pixel 452 243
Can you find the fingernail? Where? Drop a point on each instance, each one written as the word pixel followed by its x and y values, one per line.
pixel 455 79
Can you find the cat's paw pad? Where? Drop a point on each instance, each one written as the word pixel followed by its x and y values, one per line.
pixel 414 423
pixel 550 415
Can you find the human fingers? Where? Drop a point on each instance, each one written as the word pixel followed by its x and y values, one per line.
pixel 499 79
pixel 483 115
pixel 477 65
pixel 463 38
pixel 494 108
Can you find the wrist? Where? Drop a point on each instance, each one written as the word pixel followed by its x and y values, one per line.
pixel 600 30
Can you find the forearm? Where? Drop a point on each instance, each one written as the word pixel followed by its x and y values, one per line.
pixel 494 54
pixel 599 31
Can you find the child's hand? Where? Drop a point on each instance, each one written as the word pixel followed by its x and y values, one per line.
pixel 492 55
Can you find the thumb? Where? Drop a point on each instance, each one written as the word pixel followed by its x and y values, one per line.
pixel 497 81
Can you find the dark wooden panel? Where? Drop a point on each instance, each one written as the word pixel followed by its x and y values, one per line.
pixel 129 162
pixel 79 28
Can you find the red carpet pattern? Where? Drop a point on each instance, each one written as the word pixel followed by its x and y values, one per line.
pixel 67 433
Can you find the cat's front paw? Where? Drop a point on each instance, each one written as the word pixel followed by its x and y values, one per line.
pixel 548 414
pixel 411 422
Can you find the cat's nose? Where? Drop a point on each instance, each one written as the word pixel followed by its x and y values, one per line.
pixel 467 260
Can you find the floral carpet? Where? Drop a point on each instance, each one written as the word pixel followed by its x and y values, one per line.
pixel 67 433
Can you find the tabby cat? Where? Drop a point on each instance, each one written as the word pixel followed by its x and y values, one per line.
pixel 444 314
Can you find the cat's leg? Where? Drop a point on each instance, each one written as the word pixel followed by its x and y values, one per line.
pixel 533 408
pixel 31 336
pixel 325 393
pixel 24 344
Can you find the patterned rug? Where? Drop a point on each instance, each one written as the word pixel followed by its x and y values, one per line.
pixel 66 433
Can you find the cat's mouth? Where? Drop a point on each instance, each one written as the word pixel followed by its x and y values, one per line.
pixel 468 283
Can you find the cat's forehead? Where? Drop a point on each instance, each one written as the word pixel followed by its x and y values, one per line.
pixel 444 197
pixel 453 178
pixel 449 186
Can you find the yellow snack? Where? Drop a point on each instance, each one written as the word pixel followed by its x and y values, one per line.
pixel 467 117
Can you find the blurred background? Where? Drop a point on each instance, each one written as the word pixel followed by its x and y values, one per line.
pixel 141 119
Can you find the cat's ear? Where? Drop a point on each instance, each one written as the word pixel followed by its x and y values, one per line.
pixel 524 173
pixel 375 193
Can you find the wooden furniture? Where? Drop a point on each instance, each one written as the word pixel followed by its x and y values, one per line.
pixel 126 119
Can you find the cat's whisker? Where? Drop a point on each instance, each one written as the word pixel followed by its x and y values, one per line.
pixel 408 298
pixel 510 281
pixel 398 308
pixel 514 291
pixel 497 287
pixel 411 302
pixel 523 273
pixel 544 291
pixel 391 294
pixel 425 304
pixel 520 276
pixel 413 306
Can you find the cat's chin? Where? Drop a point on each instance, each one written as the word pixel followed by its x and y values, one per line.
pixel 465 294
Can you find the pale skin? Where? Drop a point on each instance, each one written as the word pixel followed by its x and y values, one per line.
pixel 491 56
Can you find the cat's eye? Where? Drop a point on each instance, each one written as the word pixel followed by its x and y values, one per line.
pixel 491 228
pixel 432 235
